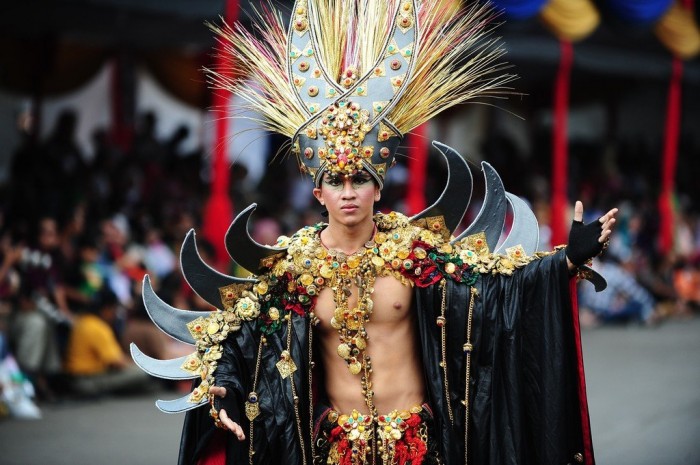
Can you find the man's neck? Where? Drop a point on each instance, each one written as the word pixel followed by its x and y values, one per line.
pixel 347 239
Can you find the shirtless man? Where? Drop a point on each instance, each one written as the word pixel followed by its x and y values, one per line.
pixel 393 344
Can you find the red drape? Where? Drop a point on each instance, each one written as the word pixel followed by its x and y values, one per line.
pixel 218 210
pixel 560 154
pixel 670 153
pixel 670 158
pixel 417 170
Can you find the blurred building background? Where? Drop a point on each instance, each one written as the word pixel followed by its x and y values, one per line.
pixel 112 148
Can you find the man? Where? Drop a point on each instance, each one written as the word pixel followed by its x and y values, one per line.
pixel 393 341
pixel 380 338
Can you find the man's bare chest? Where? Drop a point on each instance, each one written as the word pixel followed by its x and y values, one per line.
pixel 391 303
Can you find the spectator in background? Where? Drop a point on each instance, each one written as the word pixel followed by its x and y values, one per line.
pixel 42 317
pixel 33 340
pixel 95 361
pixel 66 165
pixel 686 281
pixel 623 300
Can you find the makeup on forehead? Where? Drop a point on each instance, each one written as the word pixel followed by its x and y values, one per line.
pixel 361 174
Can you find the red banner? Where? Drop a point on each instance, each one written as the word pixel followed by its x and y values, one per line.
pixel 560 149
pixel 218 211
pixel 670 158
pixel 417 170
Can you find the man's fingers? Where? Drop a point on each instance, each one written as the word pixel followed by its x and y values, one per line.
pixel 218 391
pixel 608 224
pixel 578 211
pixel 608 216
pixel 238 431
pixel 231 425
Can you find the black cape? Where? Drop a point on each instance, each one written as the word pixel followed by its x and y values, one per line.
pixel 527 403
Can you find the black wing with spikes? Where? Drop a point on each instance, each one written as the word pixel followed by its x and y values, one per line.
pixel 180 405
pixel 165 369
pixel 455 198
pixel 524 231
pixel 203 279
pixel 492 215
pixel 172 321
pixel 242 248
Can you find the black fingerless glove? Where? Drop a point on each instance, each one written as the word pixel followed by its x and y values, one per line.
pixel 583 242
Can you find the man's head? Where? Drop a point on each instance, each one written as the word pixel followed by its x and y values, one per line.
pixel 349 199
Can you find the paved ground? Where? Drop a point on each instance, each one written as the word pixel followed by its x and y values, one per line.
pixel 643 384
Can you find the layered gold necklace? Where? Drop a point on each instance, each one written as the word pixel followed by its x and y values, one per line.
pixel 358 269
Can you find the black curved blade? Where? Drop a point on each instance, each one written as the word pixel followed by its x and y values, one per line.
pixel 492 215
pixel 525 231
pixel 242 248
pixel 452 203
pixel 203 279
pixel 598 281
pixel 172 321
pixel 164 369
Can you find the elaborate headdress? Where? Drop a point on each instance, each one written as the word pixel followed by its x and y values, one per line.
pixel 347 79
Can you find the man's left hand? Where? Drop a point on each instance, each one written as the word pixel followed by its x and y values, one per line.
pixel 587 241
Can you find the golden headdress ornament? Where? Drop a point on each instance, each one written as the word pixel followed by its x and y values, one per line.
pixel 346 79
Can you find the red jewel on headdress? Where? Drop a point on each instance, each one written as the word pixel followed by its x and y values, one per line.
pixel 384 152
pixel 309 153
pixel 395 64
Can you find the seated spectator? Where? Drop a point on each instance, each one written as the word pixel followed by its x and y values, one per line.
pixel 33 339
pixel 686 281
pixel 95 362
pixel 623 300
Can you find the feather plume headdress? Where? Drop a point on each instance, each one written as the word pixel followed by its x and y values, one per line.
pixel 347 78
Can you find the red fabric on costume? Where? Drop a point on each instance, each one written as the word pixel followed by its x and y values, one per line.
pixel 583 401
pixel 216 451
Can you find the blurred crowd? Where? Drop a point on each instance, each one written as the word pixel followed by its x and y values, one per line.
pixel 78 232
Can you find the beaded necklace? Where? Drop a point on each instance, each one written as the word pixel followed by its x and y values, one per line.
pixel 360 270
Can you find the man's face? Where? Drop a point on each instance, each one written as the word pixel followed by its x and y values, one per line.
pixel 348 198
